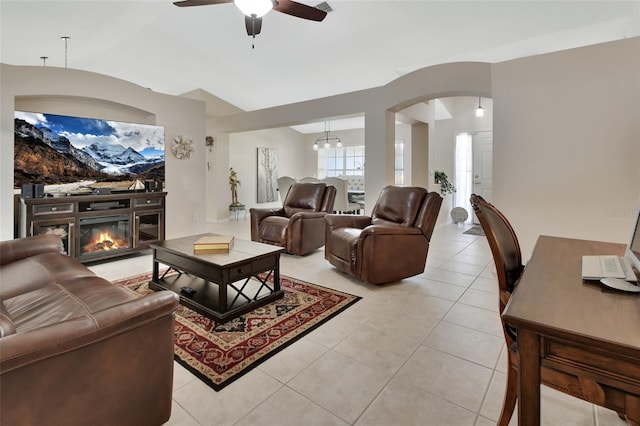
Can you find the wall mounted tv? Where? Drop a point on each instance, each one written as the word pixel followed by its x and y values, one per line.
pixel 84 153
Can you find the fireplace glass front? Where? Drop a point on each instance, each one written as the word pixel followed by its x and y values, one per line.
pixel 102 235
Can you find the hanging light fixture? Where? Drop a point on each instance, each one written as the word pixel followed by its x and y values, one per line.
pixel 326 139
pixel 479 110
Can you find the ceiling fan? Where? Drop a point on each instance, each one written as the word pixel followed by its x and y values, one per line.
pixel 254 10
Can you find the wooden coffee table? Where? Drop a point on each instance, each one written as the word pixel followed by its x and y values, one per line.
pixel 226 284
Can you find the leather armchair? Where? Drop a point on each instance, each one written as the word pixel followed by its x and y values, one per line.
pixel 389 245
pixel 299 225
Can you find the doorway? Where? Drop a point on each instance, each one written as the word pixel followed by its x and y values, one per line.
pixel 473 168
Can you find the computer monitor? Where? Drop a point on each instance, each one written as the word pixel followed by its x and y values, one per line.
pixel 633 248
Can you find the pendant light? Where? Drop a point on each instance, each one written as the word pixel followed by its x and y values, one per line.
pixel 479 110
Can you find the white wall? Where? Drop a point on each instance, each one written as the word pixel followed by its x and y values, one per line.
pixel 85 94
pixel 217 193
pixel 567 142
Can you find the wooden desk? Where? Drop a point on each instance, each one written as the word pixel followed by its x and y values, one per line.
pixel 574 327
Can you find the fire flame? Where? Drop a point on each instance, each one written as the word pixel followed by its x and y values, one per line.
pixel 104 241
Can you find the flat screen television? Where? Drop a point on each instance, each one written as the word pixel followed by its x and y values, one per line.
pixel 78 152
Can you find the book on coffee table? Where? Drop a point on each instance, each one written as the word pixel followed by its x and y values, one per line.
pixel 212 244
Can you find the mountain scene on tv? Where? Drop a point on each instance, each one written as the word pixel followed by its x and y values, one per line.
pixel 57 149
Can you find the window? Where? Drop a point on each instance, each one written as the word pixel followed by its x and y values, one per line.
pixel 349 161
pixel 399 163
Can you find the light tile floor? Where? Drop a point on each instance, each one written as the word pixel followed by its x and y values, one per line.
pixel 425 351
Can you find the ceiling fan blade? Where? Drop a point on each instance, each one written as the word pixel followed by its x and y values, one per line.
pixel 253 25
pixel 299 10
pixel 186 3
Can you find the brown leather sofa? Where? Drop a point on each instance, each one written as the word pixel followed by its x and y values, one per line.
pixel 75 349
pixel 389 245
pixel 299 225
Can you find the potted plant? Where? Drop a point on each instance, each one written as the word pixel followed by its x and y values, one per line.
pixel 446 187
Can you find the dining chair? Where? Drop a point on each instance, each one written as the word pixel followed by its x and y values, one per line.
pixel 341 204
pixel 284 183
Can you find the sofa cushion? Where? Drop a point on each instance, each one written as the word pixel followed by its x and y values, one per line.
pixel 31 273
pixel 12 250
pixel 59 302
pixel 274 229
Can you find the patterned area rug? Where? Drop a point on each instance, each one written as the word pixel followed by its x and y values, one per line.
pixel 218 354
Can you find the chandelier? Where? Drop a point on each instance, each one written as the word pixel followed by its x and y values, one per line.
pixel 326 139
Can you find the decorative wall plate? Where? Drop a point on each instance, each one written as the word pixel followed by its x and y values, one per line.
pixel 182 147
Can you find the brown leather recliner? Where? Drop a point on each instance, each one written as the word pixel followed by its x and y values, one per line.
pixel 389 245
pixel 74 348
pixel 299 225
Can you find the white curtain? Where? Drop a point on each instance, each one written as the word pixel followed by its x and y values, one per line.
pixel 463 177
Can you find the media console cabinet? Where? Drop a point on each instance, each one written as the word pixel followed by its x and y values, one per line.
pixel 96 227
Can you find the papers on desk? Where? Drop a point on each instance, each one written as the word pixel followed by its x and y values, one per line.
pixel 611 271
pixel 598 267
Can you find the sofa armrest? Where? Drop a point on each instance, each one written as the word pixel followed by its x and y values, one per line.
pixel 258 215
pixel 335 221
pixel 389 230
pixel 307 215
pixel 12 250
pixel 21 349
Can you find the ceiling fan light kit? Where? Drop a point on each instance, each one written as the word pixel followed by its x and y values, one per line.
pixel 255 9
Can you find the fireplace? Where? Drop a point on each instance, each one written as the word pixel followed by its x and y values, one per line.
pixel 97 227
pixel 102 235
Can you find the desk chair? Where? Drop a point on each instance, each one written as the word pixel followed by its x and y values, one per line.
pixel 508 262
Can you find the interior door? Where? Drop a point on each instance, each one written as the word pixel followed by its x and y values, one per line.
pixel 483 166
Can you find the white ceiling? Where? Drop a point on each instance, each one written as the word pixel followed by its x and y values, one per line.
pixel 361 44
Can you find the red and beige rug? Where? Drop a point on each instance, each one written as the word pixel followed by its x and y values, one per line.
pixel 218 354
